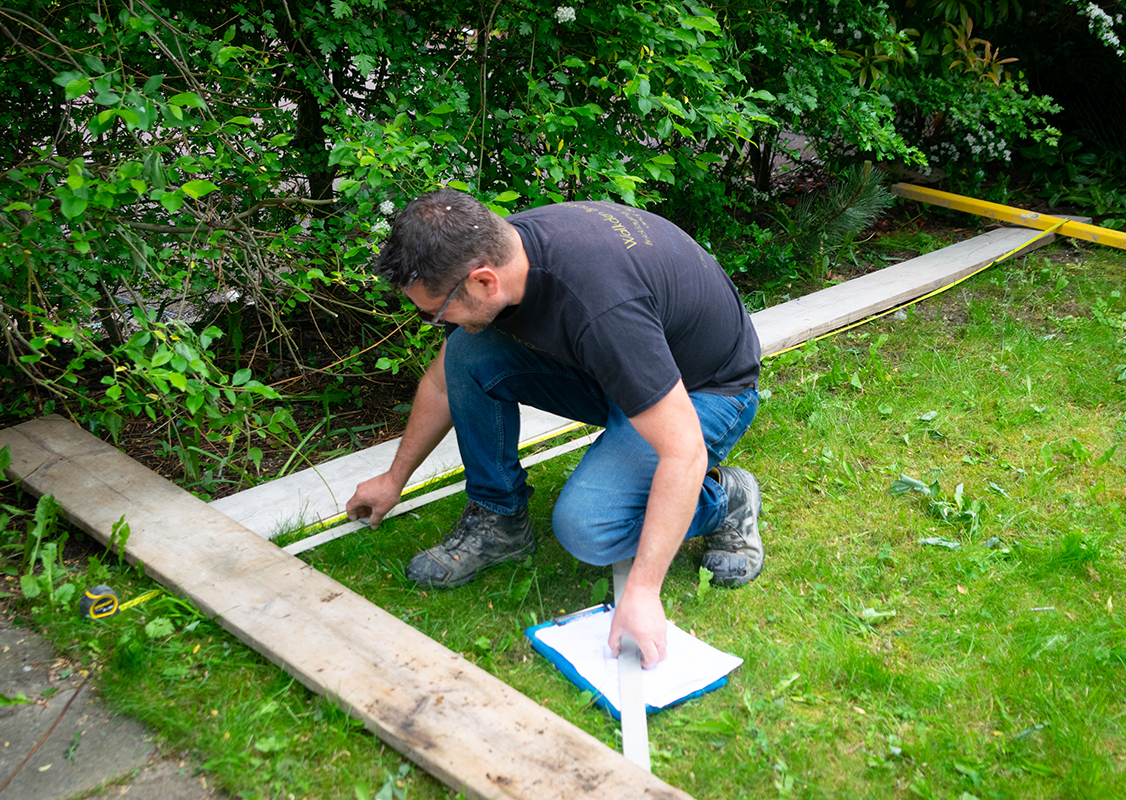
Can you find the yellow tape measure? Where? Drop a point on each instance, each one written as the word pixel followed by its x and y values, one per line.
pixel 101 601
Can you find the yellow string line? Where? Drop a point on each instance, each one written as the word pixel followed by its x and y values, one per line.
pixel 927 296
pixel 330 522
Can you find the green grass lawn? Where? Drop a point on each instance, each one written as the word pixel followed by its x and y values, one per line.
pixel 987 663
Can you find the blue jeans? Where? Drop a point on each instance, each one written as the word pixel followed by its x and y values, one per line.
pixel 600 511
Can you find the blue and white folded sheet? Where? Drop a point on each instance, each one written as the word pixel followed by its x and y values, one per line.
pixel 577 645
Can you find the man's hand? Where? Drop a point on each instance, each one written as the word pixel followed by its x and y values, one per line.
pixel 641 615
pixel 374 498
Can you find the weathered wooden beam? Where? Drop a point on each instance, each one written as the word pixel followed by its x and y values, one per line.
pixel 808 317
pixel 459 723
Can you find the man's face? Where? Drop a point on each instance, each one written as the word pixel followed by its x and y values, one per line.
pixel 462 307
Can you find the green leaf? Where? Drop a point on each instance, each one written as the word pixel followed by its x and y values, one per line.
pixel 159 627
pixel 74 177
pixel 187 99
pixel 194 402
pixel 1106 456
pixel 19 700
pixel 905 483
pixel 100 123
pixel 938 541
pixel 172 201
pixel 73 206
pixel 29 585
pixel 699 63
pixel 62 595
pixel 107 98
pixel 70 76
pixel 599 590
pixel 701 23
pixel 872 616
pixel 198 189
pixel 271 744
pixel 507 197
pixel 152 84
pixel 77 88
pixel 240 377
pixel 706 576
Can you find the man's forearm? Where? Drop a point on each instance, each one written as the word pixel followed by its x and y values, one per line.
pixel 428 423
pixel 673 498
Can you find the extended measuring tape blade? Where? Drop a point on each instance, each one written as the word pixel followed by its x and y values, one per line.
pixel 138 600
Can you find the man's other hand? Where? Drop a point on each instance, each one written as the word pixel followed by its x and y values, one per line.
pixel 373 499
pixel 641 615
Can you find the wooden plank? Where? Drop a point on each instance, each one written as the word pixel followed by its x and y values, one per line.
pixel 808 317
pixel 1017 216
pixel 465 727
pixel 319 493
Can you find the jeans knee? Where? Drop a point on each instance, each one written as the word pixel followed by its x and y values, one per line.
pixel 590 537
pixel 568 530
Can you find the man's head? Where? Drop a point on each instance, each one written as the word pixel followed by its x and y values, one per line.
pixel 439 238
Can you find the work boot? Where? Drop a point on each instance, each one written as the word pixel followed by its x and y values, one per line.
pixel 733 551
pixel 480 539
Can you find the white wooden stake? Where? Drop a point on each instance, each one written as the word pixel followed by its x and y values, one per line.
pixel 635 731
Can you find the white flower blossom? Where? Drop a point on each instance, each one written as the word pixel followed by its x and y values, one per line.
pixel 1101 24
pixel 565 14
pixel 386 208
pixel 856 34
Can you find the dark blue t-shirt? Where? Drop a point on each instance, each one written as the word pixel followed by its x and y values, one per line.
pixel 633 300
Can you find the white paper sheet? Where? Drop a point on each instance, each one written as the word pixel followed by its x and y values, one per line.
pixel 691 664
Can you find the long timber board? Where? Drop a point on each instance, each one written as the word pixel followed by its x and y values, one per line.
pixel 808 317
pixel 319 493
pixel 462 725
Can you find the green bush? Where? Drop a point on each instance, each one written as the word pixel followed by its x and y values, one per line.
pixel 196 192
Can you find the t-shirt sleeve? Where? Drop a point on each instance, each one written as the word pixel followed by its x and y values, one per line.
pixel 624 348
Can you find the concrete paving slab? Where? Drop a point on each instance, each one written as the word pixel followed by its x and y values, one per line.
pixel 74 743
pixel 63 742
pixel 85 746
pixel 163 780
